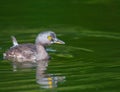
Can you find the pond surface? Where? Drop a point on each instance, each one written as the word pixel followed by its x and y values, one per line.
pixel 89 62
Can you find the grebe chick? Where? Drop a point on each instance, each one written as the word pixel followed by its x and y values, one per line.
pixel 31 53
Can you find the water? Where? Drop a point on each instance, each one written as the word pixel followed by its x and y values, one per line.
pixel 88 62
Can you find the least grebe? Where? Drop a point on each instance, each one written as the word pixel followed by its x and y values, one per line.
pixel 31 53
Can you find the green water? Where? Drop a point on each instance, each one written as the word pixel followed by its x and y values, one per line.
pixel 89 60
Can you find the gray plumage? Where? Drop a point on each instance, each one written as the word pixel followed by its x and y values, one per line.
pixel 31 53
pixel 15 43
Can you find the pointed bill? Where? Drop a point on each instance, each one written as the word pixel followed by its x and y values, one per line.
pixel 57 41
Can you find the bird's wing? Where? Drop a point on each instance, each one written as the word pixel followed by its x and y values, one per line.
pixel 15 43
pixel 22 53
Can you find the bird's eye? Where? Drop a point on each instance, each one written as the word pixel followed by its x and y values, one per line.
pixel 49 38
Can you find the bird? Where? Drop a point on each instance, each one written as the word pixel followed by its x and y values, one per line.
pixel 29 54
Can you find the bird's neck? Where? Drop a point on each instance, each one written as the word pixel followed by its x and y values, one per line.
pixel 41 52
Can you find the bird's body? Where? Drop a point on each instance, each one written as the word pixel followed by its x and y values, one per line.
pixel 31 53
pixel 21 53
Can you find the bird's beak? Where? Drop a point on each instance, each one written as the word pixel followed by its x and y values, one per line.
pixel 57 41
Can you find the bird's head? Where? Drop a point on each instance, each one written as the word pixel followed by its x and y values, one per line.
pixel 48 38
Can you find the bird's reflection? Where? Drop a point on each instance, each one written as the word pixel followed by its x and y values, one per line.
pixel 44 79
pixel 47 80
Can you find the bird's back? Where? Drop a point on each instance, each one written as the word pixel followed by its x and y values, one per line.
pixel 21 53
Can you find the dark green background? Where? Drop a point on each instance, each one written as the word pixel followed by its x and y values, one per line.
pixel 90 59
pixel 91 14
